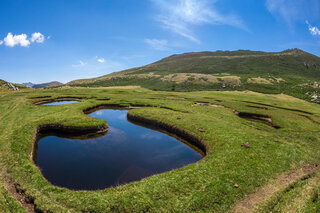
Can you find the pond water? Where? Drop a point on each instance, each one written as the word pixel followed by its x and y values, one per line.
pixel 128 152
pixel 60 103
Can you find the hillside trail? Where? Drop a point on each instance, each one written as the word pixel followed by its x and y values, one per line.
pixel 252 201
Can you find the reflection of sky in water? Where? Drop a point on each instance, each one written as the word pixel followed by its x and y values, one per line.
pixel 60 103
pixel 127 153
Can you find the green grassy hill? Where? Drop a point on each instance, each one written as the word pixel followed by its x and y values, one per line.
pixel 4 85
pixel 293 72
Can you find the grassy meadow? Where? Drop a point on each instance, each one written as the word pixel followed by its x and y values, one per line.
pixel 224 177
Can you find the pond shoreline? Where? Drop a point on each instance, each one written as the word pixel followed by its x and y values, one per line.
pixel 189 138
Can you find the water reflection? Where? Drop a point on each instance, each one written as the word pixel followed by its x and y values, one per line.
pixel 60 103
pixel 128 152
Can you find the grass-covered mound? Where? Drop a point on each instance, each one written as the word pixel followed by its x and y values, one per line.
pixel 243 154
pixel 293 72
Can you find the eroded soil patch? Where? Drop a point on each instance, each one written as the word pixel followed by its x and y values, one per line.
pixel 252 201
pixel 21 195
pixel 289 109
pixel 310 118
pixel 38 97
pixel 257 117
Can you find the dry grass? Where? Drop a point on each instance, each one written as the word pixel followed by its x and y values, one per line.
pixel 121 87
pixel 197 78
pixel 231 80
pixel 191 77
pixel 258 81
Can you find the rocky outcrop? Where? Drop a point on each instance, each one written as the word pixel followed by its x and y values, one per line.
pixel 11 86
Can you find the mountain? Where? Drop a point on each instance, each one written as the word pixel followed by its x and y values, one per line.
pixel 28 84
pixel 37 86
pixel 294 72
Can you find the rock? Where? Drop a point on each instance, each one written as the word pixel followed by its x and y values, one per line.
pixel 246 145
pixel 29 199
pixel 201 129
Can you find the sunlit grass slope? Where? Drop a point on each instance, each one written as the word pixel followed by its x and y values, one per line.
pixel 293 72
pixel 217 183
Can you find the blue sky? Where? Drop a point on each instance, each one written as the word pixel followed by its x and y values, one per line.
pixel 63 40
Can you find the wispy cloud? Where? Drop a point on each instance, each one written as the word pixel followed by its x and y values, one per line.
pixel 80 64
pixel 22 40
pixel 101 60
pixel 293 10
pixel 95 66
pixel 157 44
pixel 313 30
pixel 181 16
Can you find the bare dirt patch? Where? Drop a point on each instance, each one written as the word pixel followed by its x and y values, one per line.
pixel 257 117
pixel 38 97
pixel 21 195
pixel 252 201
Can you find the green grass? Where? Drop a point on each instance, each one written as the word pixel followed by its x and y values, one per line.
pixel 295 67
pixel 206 186
pixel 300 196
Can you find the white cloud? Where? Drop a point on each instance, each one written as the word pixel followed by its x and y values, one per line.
pixel 180 16
pixel 101 60
pixel 313 30
pixel 157 44
pixel 293 10
pixel 80 64
pixel 37 37
pixel 13 40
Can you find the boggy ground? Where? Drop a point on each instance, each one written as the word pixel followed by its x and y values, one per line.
pixel 242 155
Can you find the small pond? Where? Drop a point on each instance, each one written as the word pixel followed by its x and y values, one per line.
pixel 128 152
pixel 60 103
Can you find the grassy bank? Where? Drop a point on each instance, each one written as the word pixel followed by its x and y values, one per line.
pixel 206 186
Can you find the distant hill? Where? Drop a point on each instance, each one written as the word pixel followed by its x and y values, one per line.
pixel 292 71
pixel 28 84
pixel 37 86
pixel 4 85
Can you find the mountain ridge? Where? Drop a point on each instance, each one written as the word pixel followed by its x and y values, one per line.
pixel 293 71
pixel 42 85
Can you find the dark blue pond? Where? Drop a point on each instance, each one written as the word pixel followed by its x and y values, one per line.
pixel 60 103
pixel 128 152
